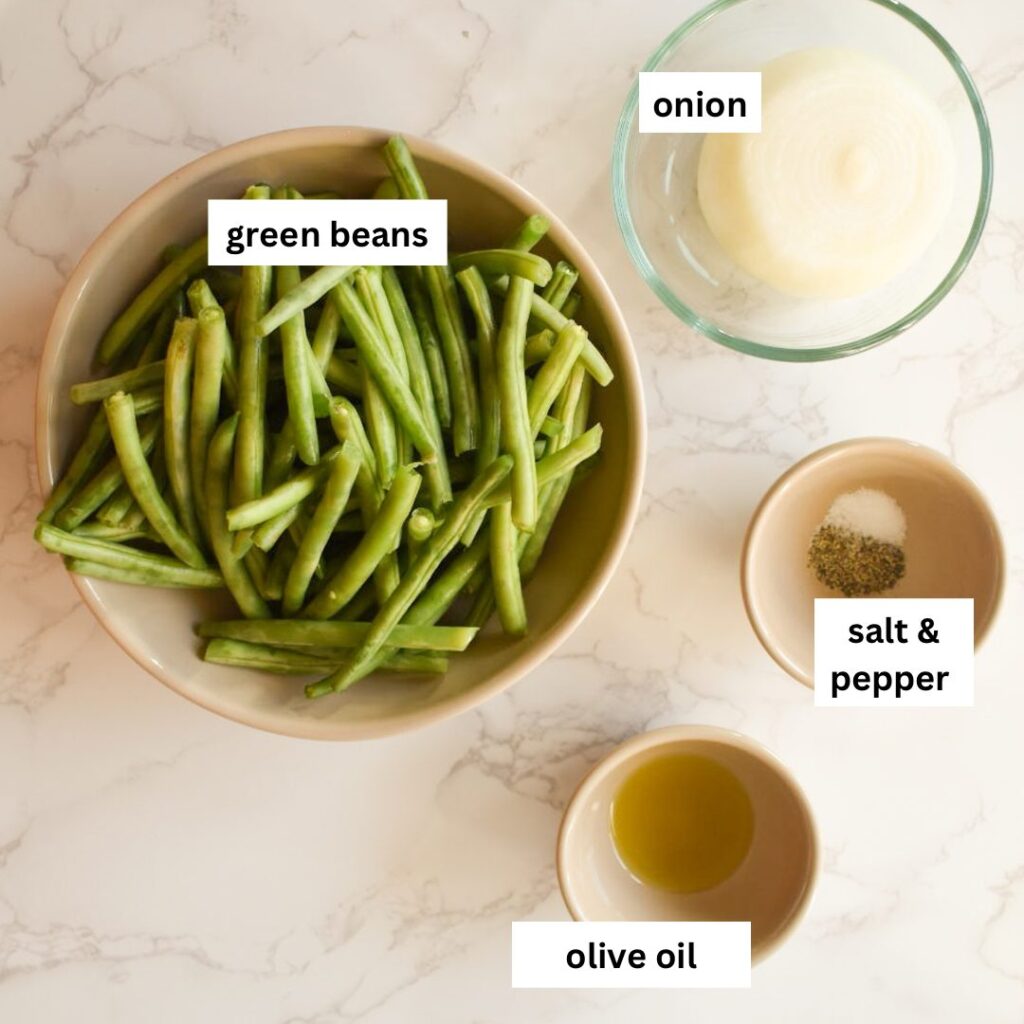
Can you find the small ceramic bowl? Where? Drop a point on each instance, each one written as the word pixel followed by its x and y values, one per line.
pixel 953 547
pixel 156 626
pixel 770 889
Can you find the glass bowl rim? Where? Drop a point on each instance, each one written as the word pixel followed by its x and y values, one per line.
pixel 643 264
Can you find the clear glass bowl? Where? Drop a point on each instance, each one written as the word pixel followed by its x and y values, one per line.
pixel 655 195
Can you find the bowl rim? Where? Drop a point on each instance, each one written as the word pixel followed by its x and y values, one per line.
pixel 627 377
pixel 672 735
pixel 646 269
pixel 806 465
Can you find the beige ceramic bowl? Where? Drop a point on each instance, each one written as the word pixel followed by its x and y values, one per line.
pixel 156 626
pixel 770 889
pixel 953 547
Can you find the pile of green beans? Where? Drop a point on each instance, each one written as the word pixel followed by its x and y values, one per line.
pixel 354 453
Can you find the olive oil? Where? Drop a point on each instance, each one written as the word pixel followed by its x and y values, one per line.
pixel 682 822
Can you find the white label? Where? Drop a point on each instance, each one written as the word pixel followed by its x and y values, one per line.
pixel 894 652
pixel 700 101
pixel 328 232
pixel 631 954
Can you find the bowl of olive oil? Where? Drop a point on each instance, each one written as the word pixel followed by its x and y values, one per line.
pixel 690 823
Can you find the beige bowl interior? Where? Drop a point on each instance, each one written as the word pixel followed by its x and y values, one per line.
pixel 156 626
pixel 953 547
pixel 772 885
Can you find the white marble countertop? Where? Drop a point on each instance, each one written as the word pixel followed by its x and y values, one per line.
pixel 158 864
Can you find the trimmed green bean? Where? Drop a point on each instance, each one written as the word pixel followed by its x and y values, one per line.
pixel 434 551
pixel 516 438
pixel 200 297
pixel 281 498
pixel 374 353
pixel 177 399
pixel 554 373
pixel 299 296
pixel 318 533
pixel 546 314
pixel 552 466
pixel 216 480
pixel 100 487
pixel 288 662
pixel 530 232
pixel 325 337
pixel 378 541
pixel 116 507
pixel 508 591
pixel 282 457
pixel 562 282
pixel 295 353
pixel 335 633
pixel 538 347
pixel 147 304
pixel 438 482
pixel 160 335
pixel 267 535
pixel 131 380
pixel 125 433
pixel 179 576
pixel 572 304
pixel 452 331
pixel 207 376
pixel 253 351
pixel 119 534
pixel 446 587
pixel 94 549
pixel 96 439
pixel 344 375
pixel 513 262
pixel 423 317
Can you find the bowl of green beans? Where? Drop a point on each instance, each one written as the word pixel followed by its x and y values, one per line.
pixel 339 502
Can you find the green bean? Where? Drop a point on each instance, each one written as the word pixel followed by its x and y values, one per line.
pixel 530 232
pixel 282 497
pixel 177 395
pixel 374 353
pixel 369 287
pixel 281 562
pixel 434 551
pixel 200 297
pixel 538 347
pixel 287 662
pixel 419 300
pixel 508 591
pixel 574 403
pixel 375 544
pixel 258 565
pixel 131 380
pixel 452 331
pixel 321 526
pixel 94 549
pixel 490 405
pixel 345 376
pixel 98 489
pixel 295 353
pixel 436 473
pixel 552 428
pixel 572 304
pixel 446 587
pixel 325 337
pixel 300 295
pixel 207 376
pixel 348 426
pixel 116 507
pixel 267 534
pixel 216 479
pixel 420 526
pixel 149 576
pixel 335 633
pixel 318 386
pixel 513 262
pixel 253 301
pixel 160 335
pixel 483 605
pixel 119 533
pixel 96 439
pixel 125 433
pixel 597 366
pixel 552 466
pixel 554 373
pixel 562 282
pixel 282 457
pixel 147 304
pixel 515 423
